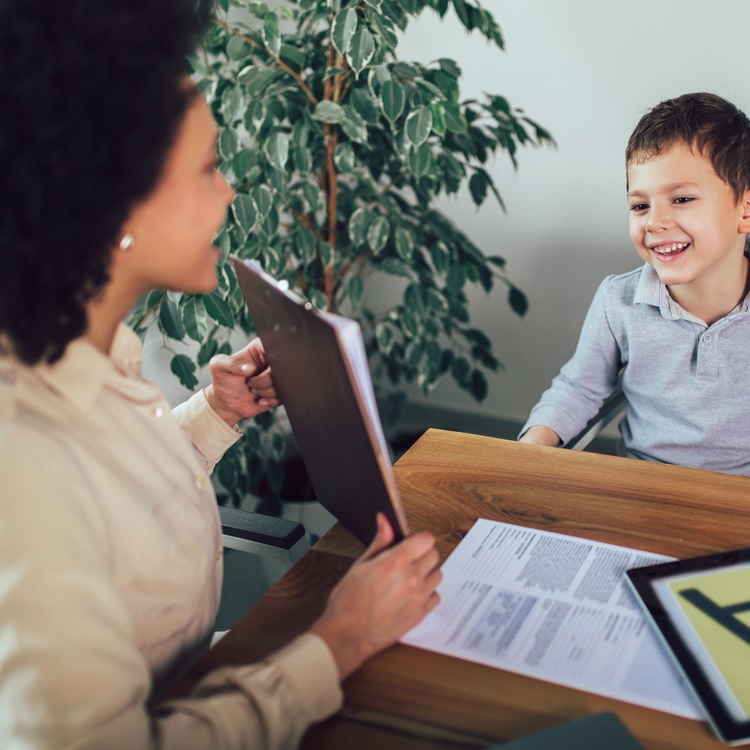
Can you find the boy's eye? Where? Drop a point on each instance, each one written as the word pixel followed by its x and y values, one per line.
pixel 639 207
pixel 683 199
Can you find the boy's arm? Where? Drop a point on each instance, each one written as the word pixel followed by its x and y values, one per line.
pixel 584 382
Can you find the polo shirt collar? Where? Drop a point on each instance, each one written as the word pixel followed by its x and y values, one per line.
pixel 651 290
pixel 82 372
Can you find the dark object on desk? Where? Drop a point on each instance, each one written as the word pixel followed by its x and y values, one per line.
pixel 338 434
pixel 602 731
pixel 699 606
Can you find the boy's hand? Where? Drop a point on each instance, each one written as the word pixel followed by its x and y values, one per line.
pixel 540 434
pixel 241 384
pixel 385 593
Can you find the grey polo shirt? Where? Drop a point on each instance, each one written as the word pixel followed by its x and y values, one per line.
pixel 687 384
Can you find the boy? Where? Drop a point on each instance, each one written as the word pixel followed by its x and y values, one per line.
pixel 677 330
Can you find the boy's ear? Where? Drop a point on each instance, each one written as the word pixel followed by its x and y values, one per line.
pixel 744 227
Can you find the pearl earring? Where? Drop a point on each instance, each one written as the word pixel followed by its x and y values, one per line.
pixel 127 242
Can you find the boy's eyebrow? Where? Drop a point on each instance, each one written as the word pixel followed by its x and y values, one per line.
pixel 667 188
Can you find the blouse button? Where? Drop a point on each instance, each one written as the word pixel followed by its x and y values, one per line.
pixel 158 412
pixel 218 554
pixel 201 480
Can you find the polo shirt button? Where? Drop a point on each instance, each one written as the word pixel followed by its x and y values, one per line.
pixel 706 338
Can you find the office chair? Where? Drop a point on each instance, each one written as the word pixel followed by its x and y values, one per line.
pixel 263 535
pixel 274 544
pixel 610 410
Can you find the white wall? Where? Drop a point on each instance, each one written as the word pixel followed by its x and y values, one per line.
pixel 586 70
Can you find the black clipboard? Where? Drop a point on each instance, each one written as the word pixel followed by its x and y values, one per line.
pixel 325 394
pixel 701 609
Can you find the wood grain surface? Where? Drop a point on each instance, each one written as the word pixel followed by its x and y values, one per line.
pixel 413 699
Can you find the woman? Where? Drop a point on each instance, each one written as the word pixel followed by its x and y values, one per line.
pixel 110 555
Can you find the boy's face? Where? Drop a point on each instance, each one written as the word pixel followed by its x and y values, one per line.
pixel 685 220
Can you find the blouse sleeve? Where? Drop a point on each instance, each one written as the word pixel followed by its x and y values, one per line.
pixel 210 435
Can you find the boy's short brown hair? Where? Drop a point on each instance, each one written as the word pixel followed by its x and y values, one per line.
pixel 706 122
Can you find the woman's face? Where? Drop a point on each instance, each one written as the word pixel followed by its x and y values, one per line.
pixel 173 228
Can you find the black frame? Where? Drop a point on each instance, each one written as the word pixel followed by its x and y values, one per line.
pixel 642 580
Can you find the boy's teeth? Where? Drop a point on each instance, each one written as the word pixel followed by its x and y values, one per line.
pixel 673 248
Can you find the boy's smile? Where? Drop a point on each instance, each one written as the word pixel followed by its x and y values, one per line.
pixel 686 222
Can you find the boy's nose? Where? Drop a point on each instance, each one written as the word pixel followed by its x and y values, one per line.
pixel 659 217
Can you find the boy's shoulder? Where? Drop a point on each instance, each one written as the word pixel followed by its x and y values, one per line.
pixel 623 287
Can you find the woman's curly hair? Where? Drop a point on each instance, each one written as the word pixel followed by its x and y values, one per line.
pixel 91 99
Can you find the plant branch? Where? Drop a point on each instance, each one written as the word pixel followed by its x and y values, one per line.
pixel 297 77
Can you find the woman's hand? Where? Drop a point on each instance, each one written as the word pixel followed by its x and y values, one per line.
pixel 241 384
pixel 385 593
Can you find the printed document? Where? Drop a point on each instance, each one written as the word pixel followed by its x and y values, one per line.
pixel 554 607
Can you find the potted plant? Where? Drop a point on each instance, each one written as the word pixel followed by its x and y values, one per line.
pixel 337 150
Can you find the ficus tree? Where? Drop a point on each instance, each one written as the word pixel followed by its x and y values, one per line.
pixel 337 150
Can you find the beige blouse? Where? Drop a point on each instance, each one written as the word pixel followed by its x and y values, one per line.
pixel 110 570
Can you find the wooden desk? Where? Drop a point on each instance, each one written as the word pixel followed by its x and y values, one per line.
pixel 413 699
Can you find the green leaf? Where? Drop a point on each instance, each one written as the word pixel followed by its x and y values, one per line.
pixel 395 267
pixel 440 255
pixel 420 160
pixel 328 111
pixel 392 100
pixel 463 13
pixel 237 48
pixel 378 233
pixel 478 385
pixel 355 290
pixel 344 157
pixel 255 115
pixel 358 224
pixel 314 196
pixel 454 118
pixel 228 143
pixel 306 244
pixel 195 319
pixel 361 50
pixel 218 309
pixel 404 243
pixel 418 125
pixel 436 300
pixel 270 34
pixel 184 368
pixel 365 105
pixel 385 337
pixel 517 300
pixel 245 212
pixel 171 320
pixel 302 157
pixel 263 199
pixel 231 104
pixel 478 187
pixel 207 351
pixel 326 254
pixel 277 150
pixel 455 278
pixel 439 126
pixel 353 125
pixel 342 29
pixel 414 299
pixel 410 324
